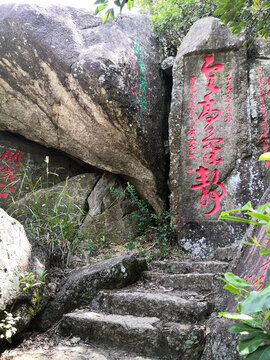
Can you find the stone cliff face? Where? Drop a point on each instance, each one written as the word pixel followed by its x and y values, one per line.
pixel 215 141
pixel 94 92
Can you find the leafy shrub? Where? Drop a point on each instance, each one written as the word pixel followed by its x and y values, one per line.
pixel 254 307
pixel 29 280
pixel 158 227
pixel 253 313
pixel 253 16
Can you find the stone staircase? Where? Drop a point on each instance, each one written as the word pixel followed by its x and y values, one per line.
pixel 161 317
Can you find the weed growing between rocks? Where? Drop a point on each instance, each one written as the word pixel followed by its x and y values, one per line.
pixel 153 229
pixel 52 215
pixel 55 214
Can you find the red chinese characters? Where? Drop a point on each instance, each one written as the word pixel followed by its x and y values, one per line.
pixel 210 143
pixel 264 127
pixel 8 173
pixel 228 116
pixel 205 182
pixel 191 130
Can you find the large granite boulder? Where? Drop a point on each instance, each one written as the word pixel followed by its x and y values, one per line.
pixel 214 160
pixel 93 91
pixel 23 261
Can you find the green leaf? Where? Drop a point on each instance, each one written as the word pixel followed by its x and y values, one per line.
pixel 250 343
pixel 235 316
pixel 265 156
pixel 247 206
pixel 254 323
pixel 112 14
pixel 236 280
pixel 247 243
pixel 264 208
pixel 264 4
pixel 224 213
pixel 262 353
pixel 232 289
pixel 235 218
pixel 239 328
pixel 105 17
pixel 258 216
pixel 263 252
pixel 100 8
pixel 130 4
pixel 256 301
pixel 267 316
pixel 268 227
pixel 219 11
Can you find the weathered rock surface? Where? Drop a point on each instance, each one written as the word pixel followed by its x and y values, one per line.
pixel 214 166
pixel 136 334
pixel 19 256
pixel 54 347
pixel 15 252
pixel 220 344
pixel 168 307
pixel 143 319
pixel 259 99
pixel 81 286
pixel 107 215
pixel 92 91
pixel 150 318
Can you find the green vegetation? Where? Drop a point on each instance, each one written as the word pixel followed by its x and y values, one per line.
pixel 148 222
pixel 29 280
pixel 153 229
pixel 253 16
pixel 54 216
pixel 253 312
pixel 103 5
pixel 172 18
pixel 253 306
pixel 175 17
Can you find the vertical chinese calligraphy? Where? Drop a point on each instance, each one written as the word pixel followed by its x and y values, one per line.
pixel 191 123
pixel 228 116
pixel 8 173
pixel 210 144
pixel 263 110
pixel 140 76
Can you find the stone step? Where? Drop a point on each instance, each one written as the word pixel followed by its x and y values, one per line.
pixel 165 306
pixel 185 267
pixel 68 352
pixel 227 253
pixel 196 282
pixel 146 336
